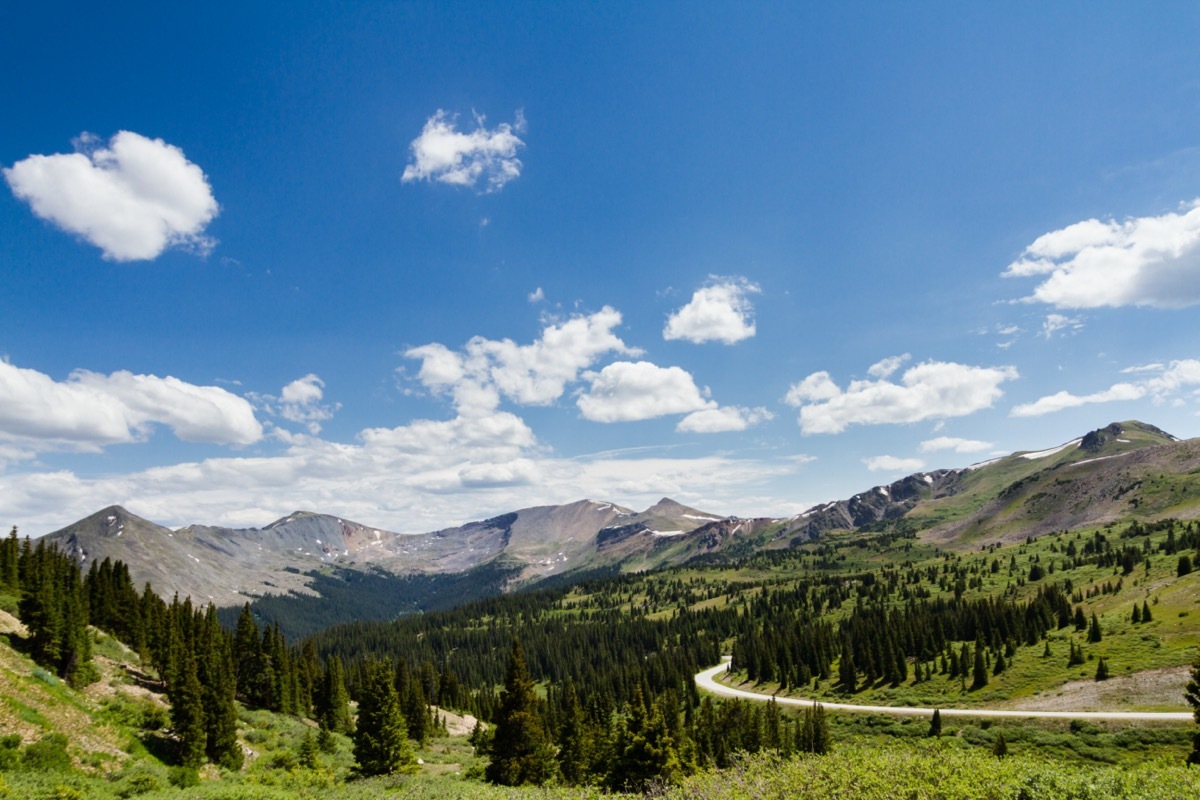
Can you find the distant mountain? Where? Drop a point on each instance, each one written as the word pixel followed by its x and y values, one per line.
pixel 229 566
pixel 1125 470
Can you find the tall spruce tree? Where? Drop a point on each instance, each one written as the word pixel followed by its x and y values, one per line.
pixel 1192 695
pixel 215 668
pixel 521 752
pixel 331 701
pixel 381 744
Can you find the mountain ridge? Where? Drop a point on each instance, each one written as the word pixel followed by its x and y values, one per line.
pixel 1121 470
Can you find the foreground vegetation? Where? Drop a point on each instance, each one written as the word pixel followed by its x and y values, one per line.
pixel 600 690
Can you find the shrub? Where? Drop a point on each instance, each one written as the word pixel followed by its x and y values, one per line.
pixel 48 754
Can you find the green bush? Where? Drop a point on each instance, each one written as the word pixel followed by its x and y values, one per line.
pixel 183 777
pixel 48 754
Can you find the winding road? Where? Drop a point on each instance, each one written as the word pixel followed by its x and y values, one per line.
pixel 708 680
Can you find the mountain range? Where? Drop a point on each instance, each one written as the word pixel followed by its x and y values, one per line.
pixel 1125 470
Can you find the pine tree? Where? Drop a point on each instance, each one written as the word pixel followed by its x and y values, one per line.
pixel 1094 634
pixel 332 703
pixel 646 751
pixel 215 667
pixel 1000 748
pixel 310 755
pixel 521 753
pixel 1192 695
pixel 847 674
pixel 935 724
pixel 1146 617
pixel 814 731
pixel 1102 670
pixel 381 744
pixel 1136 616
pixel 574 741
pixel 980 675
pixel 187 711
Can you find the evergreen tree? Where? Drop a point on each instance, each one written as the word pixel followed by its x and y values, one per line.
pixel 521 753
pixel 381 744
pixel 1136 616
pixel 416 711
pixel 1102 670
pixel 215 667
pixel 310 754
pixel 847 674
pixel 814 731
pixel 574 742
pixel 1146 617
pixel 1094 634
pixel 646 751
pixel 1192 695
pixel 332 703
pixel 1000 748
pixel 187 711
pixel 935 724
pixel 1184 566
pixel 980 675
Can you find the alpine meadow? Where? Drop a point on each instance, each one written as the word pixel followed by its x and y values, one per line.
pixel 675 400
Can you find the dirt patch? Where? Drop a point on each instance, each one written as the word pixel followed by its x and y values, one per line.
pixel 456 724
pixel 10 625
pixel 1152 689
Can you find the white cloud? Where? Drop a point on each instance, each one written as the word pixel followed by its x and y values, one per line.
pixel 444 154
pixel 418 477
pixel 89 410
pixel 1143 261
pixel 929 390
pixel 132 199
pixel 537 295
pixel 721 420
pixel 1059 322
pixel 1168 382
pixel 884 368
pixel 533 374
pixel 893 464
pixel 299 401
pixel 815 388
pixel 627 391
pixel 1063 400
pixel 720 312
pixel 954 443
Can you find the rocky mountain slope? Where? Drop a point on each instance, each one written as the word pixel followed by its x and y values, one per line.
pixel 229 566
pixel 1125 470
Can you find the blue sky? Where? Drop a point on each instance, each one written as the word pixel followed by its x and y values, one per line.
pixel 417 264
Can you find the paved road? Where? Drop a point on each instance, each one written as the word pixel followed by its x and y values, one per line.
pixel 707 680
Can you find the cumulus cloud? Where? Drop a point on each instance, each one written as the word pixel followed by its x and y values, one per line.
pixel 929 390
pixel 537 295
pixel 954 443
pixel 133 199
pixel 417 477
pixel 445 154
pixel 722 420
pixel 90 410
pixel 1164 381
pixel 719 312
pixel 534 374
pixel 893 464
pixel 626 391
pixel 1142 261
pixel 299 401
